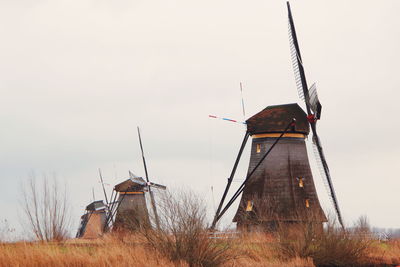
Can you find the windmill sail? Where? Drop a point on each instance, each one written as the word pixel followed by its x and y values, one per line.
pixel 153 202
pixel 136 178
pixel 140 181
pixel 322 171
pixel 158 186
pixel 104 189
pixel 326 176
pixel 295 62
pixel 313 106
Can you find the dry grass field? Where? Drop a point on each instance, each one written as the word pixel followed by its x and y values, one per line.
pixel 133 250
pixel 107 252
pixel 184 239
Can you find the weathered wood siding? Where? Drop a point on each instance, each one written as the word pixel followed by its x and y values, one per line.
pixel 132 213
pixel 274 190
pixel 274 187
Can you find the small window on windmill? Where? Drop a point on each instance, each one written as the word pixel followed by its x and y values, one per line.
pixel 258 148
pixel 301 182
pixel 307 203
pixel 249 206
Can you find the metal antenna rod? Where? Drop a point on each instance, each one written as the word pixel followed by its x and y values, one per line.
pixel 241 94
pixel 153 202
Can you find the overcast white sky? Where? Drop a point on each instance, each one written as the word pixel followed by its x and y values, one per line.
pixel 77 77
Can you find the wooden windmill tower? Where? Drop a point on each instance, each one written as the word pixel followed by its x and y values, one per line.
pixel 93 221
pixel 279 186
pixel 282 189
pixel 130 209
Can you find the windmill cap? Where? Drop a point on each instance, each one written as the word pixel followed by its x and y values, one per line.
pixel 274 119
pixel 129 186
pixel 96 205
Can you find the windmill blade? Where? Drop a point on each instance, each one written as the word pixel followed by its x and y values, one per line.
pixel 315 105
pixel 153 201
pixel 312 105
pixel 299 74
pixel 322 172
pixel 114 204
pixel 138 180
pixel 102 184
pixel 144 160
pixel 158 186
pixel 327 176
pixel 295 64
pixel 132 175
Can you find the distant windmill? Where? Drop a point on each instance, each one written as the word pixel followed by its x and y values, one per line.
pixel 93 221
pixel 279 187
pixel 130 210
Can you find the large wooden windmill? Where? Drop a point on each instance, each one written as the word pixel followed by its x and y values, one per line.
pixel 279 186
pixel 282 189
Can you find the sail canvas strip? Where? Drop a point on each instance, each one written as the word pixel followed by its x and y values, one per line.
pixel 315 105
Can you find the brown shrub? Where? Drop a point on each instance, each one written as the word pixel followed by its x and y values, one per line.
pixel 385 252
pixel 259 249
pixel 183 235
pixel 331 247
pixel 46 209
pixel 338 247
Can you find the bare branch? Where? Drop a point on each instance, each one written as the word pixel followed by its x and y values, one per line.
pixel 46 209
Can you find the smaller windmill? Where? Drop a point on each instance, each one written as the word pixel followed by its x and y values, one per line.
pixel 93 221
pixel 130 210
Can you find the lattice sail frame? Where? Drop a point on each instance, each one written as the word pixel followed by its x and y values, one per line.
pixel 310 98
pixel 295 63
